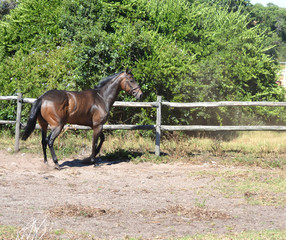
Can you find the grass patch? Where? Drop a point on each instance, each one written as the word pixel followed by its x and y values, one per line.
pixel 8 232
pixel 262 149
pixel 258 188
pixel 253 186
pixel 12 232
pixel 248 235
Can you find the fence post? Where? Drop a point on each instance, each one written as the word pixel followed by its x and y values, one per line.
pixel 158 126
pixel 18 122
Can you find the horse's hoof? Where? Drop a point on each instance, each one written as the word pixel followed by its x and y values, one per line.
pixel 97 165
pixel 57 166
pixel 92 161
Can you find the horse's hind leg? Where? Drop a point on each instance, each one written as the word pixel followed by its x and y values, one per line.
pixel 44 126
pixel 44 144
pixel 53 135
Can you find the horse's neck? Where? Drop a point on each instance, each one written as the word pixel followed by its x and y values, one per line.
pixel 110 92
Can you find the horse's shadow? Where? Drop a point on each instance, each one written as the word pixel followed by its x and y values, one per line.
pixel 116 157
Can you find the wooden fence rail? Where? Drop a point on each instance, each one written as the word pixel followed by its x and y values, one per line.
pixel 157 126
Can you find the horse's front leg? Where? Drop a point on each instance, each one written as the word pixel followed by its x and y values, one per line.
pixel 100 143
pixel 97 132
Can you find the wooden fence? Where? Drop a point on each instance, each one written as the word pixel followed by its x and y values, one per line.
pixel 157 126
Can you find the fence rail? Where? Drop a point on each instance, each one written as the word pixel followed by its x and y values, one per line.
pixel 157 126
pixel 224 104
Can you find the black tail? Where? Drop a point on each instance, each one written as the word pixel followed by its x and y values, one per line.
pixel 31 124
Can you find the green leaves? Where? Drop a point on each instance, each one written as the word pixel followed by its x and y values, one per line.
pixel 183 50
pixel 31 24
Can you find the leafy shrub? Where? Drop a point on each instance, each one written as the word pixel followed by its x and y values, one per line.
pixel 186 51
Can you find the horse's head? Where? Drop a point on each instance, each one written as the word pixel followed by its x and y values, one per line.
pixel 129 85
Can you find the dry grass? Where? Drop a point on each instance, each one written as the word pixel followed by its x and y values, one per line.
pixel 193 214
pixel 34 230
pixel 263 149
pixel 73 210
pixel 260 143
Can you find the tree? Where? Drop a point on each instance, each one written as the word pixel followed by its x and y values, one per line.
pixel 6 6
pixel 182 50
pixel 273 20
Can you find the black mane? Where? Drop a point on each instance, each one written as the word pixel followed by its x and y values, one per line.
pixel 106 80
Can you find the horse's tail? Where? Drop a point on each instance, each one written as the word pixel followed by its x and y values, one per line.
pixel 31 124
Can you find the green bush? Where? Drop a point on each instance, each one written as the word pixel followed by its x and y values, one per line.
pixel 186 51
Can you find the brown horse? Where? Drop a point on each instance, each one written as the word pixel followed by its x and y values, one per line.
pixel 88 108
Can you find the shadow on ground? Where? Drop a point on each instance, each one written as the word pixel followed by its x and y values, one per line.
pixel 118 156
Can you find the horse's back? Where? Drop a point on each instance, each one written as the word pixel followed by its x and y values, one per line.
pixel 61 107
pixel 80 107
pixel 54 95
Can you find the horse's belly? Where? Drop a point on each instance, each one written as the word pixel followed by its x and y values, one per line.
pixel 80 120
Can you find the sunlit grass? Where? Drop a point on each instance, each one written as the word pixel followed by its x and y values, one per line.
pixel 263 149
pixel 258 143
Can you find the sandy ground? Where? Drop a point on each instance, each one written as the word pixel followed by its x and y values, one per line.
pixel 121 199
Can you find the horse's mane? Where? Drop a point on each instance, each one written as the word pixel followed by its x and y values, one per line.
pixel 106 80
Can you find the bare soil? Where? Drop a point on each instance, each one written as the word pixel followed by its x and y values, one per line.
pixel 120 199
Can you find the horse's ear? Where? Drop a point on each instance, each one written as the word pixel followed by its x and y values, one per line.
pixel 128 70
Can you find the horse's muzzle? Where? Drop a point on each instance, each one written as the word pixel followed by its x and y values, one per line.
pixel 138 94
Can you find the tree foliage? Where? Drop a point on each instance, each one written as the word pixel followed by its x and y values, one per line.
pixel 6 6
pixel 273 20
pixel 183 50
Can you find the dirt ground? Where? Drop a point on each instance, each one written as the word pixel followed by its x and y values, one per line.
pixel 122 199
